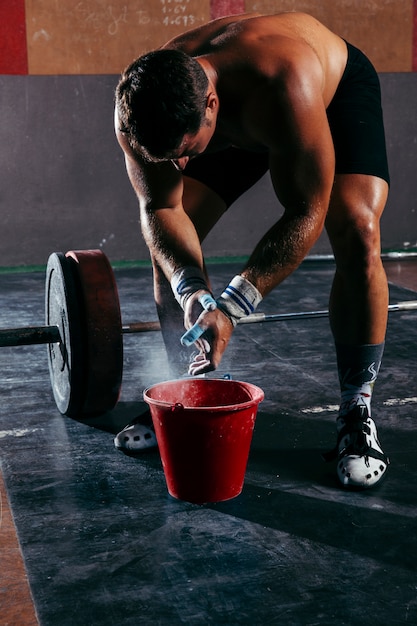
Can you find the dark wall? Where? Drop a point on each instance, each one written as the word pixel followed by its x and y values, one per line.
pixel 63 183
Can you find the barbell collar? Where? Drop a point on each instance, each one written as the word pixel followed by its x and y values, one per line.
pixel 29 336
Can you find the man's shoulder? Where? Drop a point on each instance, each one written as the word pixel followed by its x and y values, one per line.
pixel 198 40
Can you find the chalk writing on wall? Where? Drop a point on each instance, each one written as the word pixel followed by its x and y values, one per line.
pixel 102 36
pixel 176 13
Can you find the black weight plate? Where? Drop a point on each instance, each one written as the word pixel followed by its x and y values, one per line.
pixel 66 359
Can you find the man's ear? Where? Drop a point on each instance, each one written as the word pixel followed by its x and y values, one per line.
pixel 212 102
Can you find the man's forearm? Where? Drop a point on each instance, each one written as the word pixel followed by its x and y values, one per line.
pixel 172 239
pixel 281 250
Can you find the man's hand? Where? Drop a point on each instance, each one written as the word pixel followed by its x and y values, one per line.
pixel 217 330
pixel 213 328
pixel 193 305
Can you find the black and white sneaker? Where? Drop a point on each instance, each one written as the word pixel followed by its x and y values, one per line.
pixel 361 462
pixel 137 436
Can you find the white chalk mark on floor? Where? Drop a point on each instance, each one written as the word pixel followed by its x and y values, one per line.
pixel 16 432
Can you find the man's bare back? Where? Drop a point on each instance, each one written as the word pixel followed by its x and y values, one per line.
pixel 272 41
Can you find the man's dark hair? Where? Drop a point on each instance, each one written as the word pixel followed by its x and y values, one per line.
pixel 161 97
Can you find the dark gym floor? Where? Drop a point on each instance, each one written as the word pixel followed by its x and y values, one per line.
pixel 91 536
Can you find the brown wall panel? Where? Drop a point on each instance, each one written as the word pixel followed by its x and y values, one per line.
pixel 102 37
pixel 383 29
pixel 99 37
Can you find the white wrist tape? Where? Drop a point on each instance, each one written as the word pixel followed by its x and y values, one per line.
pixel 186 281
pixel 239 299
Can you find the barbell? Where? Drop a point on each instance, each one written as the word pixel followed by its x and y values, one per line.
pixel 84 331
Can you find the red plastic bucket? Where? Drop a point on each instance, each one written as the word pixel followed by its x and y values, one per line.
pixel 204 430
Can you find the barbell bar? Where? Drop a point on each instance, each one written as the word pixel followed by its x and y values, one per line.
pixel 37 335
pixel 84 331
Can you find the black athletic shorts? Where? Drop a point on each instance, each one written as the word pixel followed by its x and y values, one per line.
pixel 356 123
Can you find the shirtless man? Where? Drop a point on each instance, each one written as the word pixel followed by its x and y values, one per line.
pixel 200 121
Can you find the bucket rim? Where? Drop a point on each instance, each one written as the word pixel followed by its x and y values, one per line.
pixel 257 395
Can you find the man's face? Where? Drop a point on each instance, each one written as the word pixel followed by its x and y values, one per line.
pixel 191 146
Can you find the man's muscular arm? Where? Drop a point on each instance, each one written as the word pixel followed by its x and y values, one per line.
pixel 168 231
pixel 294 127
pixel 302 166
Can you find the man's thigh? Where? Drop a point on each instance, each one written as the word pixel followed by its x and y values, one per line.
pixel 355 210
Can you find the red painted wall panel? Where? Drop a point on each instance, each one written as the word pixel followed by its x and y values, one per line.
pixel 220 8
pixel 415 36
pixel 13 52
